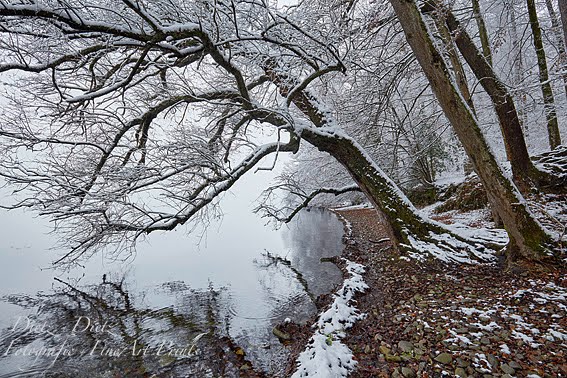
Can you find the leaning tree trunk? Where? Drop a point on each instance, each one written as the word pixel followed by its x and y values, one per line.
pixel 550 112
pixel 386 197
pixel 524 172
pixel 461 78
pixel 408 229
pixel 528 240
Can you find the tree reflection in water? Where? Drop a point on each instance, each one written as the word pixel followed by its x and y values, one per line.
pixel 101 331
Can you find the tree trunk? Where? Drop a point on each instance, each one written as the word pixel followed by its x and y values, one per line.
pixel 384 194
pixel 518 67
pixel 408 229
pixel 528 240
pixel 556 28
pixel 563 12
pixel 526 175
pixel 460 75
pixel 484 41
pixel 522 168
pixel 550 112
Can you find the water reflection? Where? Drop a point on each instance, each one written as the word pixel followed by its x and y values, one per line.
pixel 317 233
pixel 291 280
pixel 104 331
pixel 118 325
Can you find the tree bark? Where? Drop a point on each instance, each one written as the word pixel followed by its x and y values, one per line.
pixel 460 75
pixel 548 102
pixel 484 41
pixel 563 12
pixel 518 66
pixel 528 240
pixel 556 28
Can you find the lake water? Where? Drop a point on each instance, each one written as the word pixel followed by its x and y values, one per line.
pixel 176 308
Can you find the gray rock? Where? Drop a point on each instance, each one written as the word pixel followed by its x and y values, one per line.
pixel 507 369
pixel 444 358
pixel 408 372
pixel 515 365
pixel 462 363
pixel 460 372
pixel 493 360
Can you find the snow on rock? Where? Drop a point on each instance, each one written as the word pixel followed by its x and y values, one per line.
pixel 326 356
pixel 505 349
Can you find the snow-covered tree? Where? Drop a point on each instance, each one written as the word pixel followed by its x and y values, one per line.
pixel 133 117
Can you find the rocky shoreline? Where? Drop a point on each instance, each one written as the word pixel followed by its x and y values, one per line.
pixel 434 319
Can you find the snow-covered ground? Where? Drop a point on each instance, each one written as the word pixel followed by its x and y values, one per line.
pixel 325 355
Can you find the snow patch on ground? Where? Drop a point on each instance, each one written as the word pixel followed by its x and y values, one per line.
pixel 449 249
pixel 505 349
pixel 348 225
pixel 326 356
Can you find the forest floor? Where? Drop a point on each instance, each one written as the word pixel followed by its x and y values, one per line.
pixel 437 319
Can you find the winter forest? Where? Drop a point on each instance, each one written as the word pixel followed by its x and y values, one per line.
pixel 415 144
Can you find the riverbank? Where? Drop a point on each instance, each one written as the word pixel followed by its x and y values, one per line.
pixel 434 319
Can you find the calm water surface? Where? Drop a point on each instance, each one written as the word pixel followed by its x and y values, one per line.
pixel 177 308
